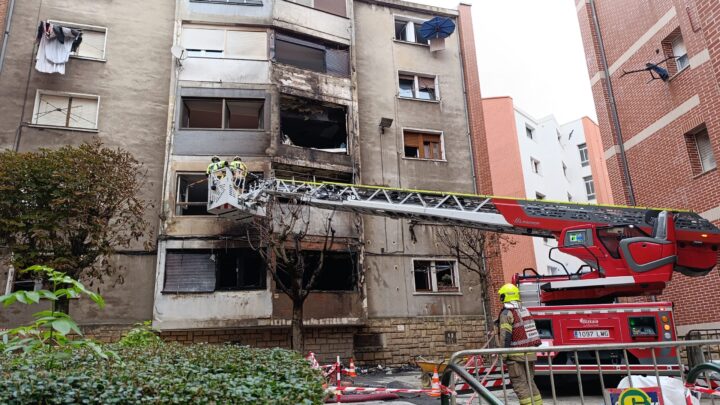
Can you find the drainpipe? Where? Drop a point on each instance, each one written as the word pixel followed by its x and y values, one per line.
pixel 6 34
pixel 613 108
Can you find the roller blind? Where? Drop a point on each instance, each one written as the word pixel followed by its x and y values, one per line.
pixel 246 45
pixel 206 39
pixel 189 272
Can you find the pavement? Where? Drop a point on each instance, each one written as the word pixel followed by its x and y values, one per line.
pixel 411 379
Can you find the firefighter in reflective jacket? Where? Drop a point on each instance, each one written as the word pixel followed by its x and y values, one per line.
pixel 215 165
pixel 239 170
pixel 517 329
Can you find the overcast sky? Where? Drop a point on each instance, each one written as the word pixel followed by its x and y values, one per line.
pixel 532 51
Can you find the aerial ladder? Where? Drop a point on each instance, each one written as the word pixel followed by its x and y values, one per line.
pixel 627 251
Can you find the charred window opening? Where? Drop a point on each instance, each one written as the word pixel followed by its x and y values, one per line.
pixel 206 270
pixel 313 124
pixel 303 173
pixel 221 113
pixel 311 54
pixel 192 195
pixel 338 273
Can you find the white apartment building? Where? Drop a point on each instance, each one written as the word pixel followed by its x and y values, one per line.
pixel 541 159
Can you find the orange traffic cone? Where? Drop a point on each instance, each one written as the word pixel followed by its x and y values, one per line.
pixel 351 371
pixel 435 386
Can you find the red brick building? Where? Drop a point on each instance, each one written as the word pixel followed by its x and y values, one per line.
pixel 669 129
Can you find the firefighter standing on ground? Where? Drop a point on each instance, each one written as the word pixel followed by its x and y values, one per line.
pixel 517 329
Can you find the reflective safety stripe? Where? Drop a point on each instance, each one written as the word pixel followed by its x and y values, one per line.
pixel 506 326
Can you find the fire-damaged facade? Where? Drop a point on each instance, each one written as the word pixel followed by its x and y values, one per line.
pixel 297 90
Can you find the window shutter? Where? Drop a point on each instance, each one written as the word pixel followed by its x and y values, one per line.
pixel 426 83
pixel 189 272
pixel 93 44
pixel 207 39
pixel 52 110
pixel 337 62
pixel 336 7
pixel 83 113
pixel 705 150
pixel 247 45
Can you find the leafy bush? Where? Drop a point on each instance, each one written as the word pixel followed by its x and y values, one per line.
pixel 162 373
pixel 140 336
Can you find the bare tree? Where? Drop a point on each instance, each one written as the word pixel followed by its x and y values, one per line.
pixel 282 241
pixel 475 249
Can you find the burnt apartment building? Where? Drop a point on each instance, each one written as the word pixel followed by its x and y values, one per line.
pixel 114 87
pixel 660 128
pixel 298 89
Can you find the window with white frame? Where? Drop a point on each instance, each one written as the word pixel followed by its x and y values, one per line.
pixel 529 132
pixel 589 187
pixel 224 43
pixel 702 158
pixel 423 145
pixel 680 53
pixel 535 166
pixel 436 276
pixel 408 30
pixel 417 86
pixel 94 40
pixel 584 156
pixel 66 110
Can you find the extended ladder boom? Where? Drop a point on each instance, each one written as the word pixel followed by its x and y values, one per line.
pixel 634 245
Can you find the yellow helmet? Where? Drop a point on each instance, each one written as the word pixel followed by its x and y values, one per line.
pixel 509 292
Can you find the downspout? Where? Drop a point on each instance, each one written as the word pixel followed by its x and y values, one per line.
pixel 6 34
pixel 613 108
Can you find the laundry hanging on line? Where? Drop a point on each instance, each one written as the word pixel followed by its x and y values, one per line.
pixel 56 45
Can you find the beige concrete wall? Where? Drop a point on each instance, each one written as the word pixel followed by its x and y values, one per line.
pixel 388 244
pixel 133 86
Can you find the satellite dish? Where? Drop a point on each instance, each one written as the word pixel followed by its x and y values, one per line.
pixel 177 51
pixel 437 28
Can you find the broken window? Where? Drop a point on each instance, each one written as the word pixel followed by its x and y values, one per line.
pixel 409 31
pixel 323 57
pixel 418 87
pixel 435 276
pixel 220 113
pixel 313 124
pixel 674 48
pixel 192 195
pixel 304 173
pixel 206 270
pixel 338 272
pixel 420 145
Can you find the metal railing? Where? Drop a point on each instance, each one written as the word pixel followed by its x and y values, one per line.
pixel 601 371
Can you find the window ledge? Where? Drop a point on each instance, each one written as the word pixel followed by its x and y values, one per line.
pixel 218 130
pixel 425 160
pixel 436 101
pixel 678 73
pixel 40 126
pixel 436 293
pixel 102 60
pixel 400 41
pixel 697 176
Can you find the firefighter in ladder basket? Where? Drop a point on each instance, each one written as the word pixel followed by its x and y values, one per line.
pixel 239 171
pixel 517 329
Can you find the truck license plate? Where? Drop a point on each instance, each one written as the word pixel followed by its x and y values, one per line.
pixel 591 334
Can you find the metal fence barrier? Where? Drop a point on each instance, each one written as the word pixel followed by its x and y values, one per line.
pixel 702 359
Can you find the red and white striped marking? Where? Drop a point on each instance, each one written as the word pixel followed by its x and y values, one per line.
pixel 703 390
pixel 389 390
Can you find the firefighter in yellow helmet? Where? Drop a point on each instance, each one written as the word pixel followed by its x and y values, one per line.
pixel 239 170
pixel 517 329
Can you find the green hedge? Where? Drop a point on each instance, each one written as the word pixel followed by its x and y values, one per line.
pixel 163 373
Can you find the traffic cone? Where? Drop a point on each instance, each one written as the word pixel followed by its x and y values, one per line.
pixel 435 386
pixel 351 371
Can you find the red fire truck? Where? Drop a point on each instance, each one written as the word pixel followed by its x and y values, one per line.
pixel 626 251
